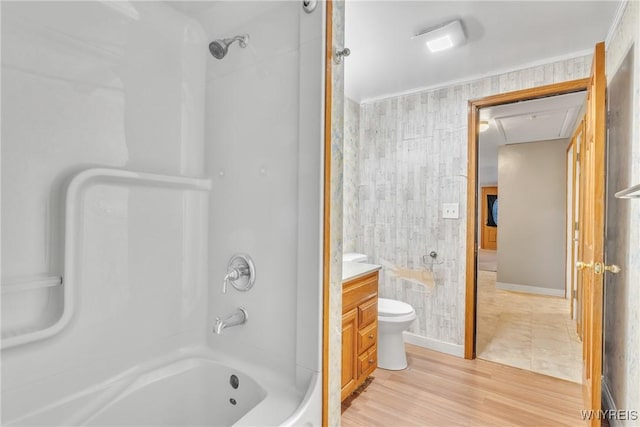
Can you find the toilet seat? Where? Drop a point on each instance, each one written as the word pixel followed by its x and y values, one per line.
pixel 393 308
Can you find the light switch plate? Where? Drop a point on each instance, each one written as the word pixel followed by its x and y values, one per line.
pixel 450 210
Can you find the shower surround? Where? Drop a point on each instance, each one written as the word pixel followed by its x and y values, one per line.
pixel 134 165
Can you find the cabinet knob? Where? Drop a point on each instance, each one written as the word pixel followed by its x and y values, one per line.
pixel 370 361
pixel 370 336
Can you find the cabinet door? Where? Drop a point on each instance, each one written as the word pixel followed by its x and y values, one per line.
pixel 367 337
pixel 368 312
pixel 367 363
pixel 349 359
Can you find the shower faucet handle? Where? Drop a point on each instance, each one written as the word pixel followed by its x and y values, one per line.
pixel 241 272
pixel 231 275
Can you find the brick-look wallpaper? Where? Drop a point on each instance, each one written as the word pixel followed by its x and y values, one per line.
pixel 351 172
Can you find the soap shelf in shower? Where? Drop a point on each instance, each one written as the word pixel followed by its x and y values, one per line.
pixel 629 193
pixel 22 284
pixel 73 229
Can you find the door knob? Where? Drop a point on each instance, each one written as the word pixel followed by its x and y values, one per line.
pixel 581 265
pixel 612 268
pixel 600 268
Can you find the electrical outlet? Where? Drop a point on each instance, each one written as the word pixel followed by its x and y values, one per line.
pixel 450 210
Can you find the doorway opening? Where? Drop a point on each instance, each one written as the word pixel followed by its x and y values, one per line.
pixel 524 316
pixel 477 256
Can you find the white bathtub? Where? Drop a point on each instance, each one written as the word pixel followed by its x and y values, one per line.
pixel 194 392
pixel 189 388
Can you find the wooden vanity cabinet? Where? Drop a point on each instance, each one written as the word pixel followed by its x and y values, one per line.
pixel 359 331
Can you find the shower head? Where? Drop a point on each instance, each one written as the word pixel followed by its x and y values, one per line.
pixel 219 48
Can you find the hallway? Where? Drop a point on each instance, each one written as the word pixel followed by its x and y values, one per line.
pixel 526 331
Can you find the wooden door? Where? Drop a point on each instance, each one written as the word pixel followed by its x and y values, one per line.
pixel 573 201
pixel 488 232
pixel 577 285
pixel 349 343
pixel 591 234
pixel 570 224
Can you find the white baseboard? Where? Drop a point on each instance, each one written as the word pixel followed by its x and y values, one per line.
pixel 610 404
pixel 433 344
pixel 530 289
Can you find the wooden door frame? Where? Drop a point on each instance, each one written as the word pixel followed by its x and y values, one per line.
pixel 326 213
pixel 474 107
pixel 572 205
pixel 570 179
pixel 569 207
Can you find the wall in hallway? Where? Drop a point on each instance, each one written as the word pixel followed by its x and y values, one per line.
pixel 412 159
pixel 532 179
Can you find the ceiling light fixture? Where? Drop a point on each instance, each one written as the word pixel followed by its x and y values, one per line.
pixel 444 37
pixel 484 125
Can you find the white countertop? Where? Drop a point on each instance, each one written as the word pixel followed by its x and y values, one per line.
pixel 351 270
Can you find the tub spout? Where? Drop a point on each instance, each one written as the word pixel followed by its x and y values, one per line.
pixel 236 318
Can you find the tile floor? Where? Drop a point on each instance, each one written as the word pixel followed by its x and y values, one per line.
pixel 487 260
pixel 526 331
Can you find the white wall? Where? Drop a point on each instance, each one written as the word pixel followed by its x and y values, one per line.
pixel 263 132
pixel 532 179
pixel 90 84
pixel 132 85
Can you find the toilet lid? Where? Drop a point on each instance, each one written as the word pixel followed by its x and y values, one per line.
pixel 391 307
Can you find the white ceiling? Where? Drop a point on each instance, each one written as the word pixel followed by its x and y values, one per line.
pixel 535 120
pixel 552 118
pixel 501 35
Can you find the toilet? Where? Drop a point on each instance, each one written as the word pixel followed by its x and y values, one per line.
pixel 394 317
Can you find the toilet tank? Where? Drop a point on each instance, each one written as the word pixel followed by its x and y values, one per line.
pixel 354 257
